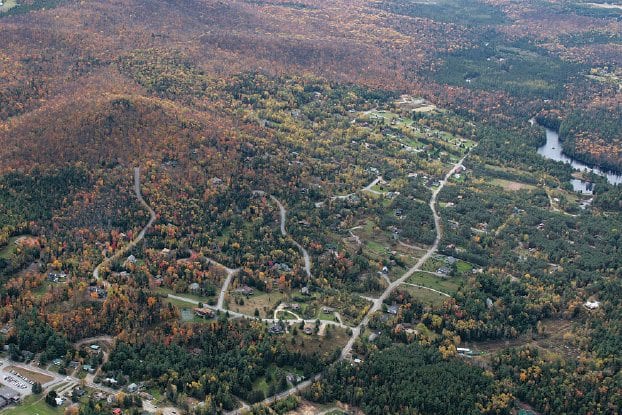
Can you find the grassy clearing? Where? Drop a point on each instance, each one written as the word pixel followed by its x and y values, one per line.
pixel 447 285
pixel 334 339
pixel 33 405
pixel 10 248
pixel 264 302
pixel 8 5
pixel 424 296
pixel 511 186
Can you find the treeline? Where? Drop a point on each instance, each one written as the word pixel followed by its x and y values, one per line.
pixel 410 380
pixel 213 363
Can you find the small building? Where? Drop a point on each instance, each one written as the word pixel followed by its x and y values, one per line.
pixel 132 388
pixel 327 310
pixel 443 270
pixel 393 309
pixel 592 305
pixel 276 329
pixel 95 347
pixel 295 307
pixel 246 290
pixel 305 291
pixel 88 368
pixel 194 287
pixel 203 312
pixel 131 259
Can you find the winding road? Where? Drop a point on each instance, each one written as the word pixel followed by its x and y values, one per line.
pixel 141 234
pixel 377 303
pixel 302 250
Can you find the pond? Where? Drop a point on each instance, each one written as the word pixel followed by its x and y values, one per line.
pixel 552 149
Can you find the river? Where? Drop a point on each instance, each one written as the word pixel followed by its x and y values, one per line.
pixel 553 150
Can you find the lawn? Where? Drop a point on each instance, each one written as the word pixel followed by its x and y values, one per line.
pixel 33 405
pixel 447 285
pixel 424 296
pixel 264 302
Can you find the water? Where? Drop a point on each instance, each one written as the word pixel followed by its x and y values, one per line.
pixel 553 150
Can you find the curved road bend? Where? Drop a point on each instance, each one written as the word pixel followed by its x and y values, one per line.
pixel 141 234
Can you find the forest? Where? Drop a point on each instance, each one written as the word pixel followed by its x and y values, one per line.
pixel 205 204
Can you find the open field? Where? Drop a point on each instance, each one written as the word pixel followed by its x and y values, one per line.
pixel 29 374
pixel 33 405
pixel 8 250
pixel 264 302
pixel 425 296
pixel 8 5
pixel 511 185
pixel 448 285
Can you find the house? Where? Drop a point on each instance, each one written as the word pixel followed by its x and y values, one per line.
pixel 74 364
pixel 203 312
pixel 116 411
pixel 450 260
pixel 111 381
pixel 385 270
pixel 88 368
pixel 57 361
pixel 443 270
pixel 132 388
pixel 327 310
pixel 393 309
pixel 246 290
pixel 305 291
pixel 59 401
pixel 276 329
pixel 194 287
pixel 131 259
pixel 295 307
pixel 592 305
pixel 95 347
pixel 79 392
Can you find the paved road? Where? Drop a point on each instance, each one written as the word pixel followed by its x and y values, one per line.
pixel 235 314
pixel 368 188
pixel 141 234
pixel 377 303
pixel 303 251
pixel 225 285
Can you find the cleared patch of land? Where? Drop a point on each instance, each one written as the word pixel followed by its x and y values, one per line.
pixel 8 5
pixel 510 185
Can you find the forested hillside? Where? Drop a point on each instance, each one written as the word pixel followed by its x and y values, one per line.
pixel 206 204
